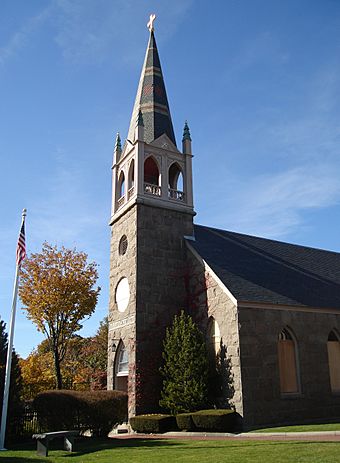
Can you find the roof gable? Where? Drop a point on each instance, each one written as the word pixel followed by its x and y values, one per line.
pixel 164 142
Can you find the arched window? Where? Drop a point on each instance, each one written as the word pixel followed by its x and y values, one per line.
pixel 214 336
pixel 131 180
pixel 121 367
pixel 151 172
pixel 121 185
pixel 176 182
pixel 333 348
pixel 175 177
pixel 288 362
pixel 180 183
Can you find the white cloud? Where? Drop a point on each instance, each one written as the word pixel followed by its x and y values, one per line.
pixel 21 37
pixel 70 208
pixel 298 150
pixel 313 132
pixel 272 205
pixel 93 32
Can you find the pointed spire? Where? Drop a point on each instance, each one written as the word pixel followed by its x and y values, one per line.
pixel 139 129
pixel 118 144
pixel 140 121
pixel 186 132
pixel 151 98
pixel 118 148
pixel 186 140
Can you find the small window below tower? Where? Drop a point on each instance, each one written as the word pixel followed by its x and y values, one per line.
pixel 176 183
pixel 123 244
pixel 121 367
pixel 123 361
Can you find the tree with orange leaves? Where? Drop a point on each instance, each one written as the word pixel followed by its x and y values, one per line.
pixel 57 290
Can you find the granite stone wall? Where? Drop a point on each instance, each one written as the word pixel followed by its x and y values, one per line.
pixel 208 298
pixel 262 400
pixel 122 325
pixel 161 293
pixel 155 265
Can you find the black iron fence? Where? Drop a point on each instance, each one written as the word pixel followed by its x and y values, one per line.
pixel 22 427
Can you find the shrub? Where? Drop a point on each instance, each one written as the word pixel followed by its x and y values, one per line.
pixel 185 367
pixel 97 411
pixel 153 424
pixel 185 422
pixel 215 420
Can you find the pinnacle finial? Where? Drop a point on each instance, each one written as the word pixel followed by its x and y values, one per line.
pixel 118 144
pixel 186 132
pixel 150 23
pixel 140 121
pixel 24 212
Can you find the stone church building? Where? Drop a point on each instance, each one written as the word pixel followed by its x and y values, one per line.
pixel 270 310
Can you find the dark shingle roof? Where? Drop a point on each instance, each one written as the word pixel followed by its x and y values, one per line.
pixel 266 271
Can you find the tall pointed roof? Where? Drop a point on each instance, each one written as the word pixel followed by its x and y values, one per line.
pixel 151 98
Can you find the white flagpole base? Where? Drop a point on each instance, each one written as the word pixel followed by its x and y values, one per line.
pixel 2 450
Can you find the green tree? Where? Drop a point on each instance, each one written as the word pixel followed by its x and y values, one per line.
pixel 14 402
pixel 185 368
pixel 57 289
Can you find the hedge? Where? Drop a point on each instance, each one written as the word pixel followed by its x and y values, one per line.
pixel 219 420
pixel 184 422
pixel 153 424
pixel 97 411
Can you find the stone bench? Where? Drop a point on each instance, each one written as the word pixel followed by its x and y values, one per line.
pixel 44 439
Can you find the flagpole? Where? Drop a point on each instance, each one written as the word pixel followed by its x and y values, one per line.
pixel 10 349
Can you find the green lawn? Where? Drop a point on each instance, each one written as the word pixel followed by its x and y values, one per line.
pixel 159 451
pixel 303 428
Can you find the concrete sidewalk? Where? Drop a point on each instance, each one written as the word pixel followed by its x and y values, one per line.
pixel 246 436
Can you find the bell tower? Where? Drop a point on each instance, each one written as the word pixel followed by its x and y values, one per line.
pixel 152 211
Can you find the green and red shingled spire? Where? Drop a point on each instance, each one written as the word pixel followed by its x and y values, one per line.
pixel 151 99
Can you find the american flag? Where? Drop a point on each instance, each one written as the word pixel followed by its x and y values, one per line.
pixel 21 247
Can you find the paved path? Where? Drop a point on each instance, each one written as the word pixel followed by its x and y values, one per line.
pixel 324 436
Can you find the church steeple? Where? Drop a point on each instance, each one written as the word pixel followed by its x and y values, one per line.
pixel 151 99
pixel 150 169
pixel 152 212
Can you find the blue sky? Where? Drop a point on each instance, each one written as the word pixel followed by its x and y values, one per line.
pixel 258 81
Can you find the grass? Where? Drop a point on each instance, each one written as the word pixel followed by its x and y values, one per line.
pixel 181 451
pixel 302 428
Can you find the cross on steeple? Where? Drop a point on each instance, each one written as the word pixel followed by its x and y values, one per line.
pixel 150 23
